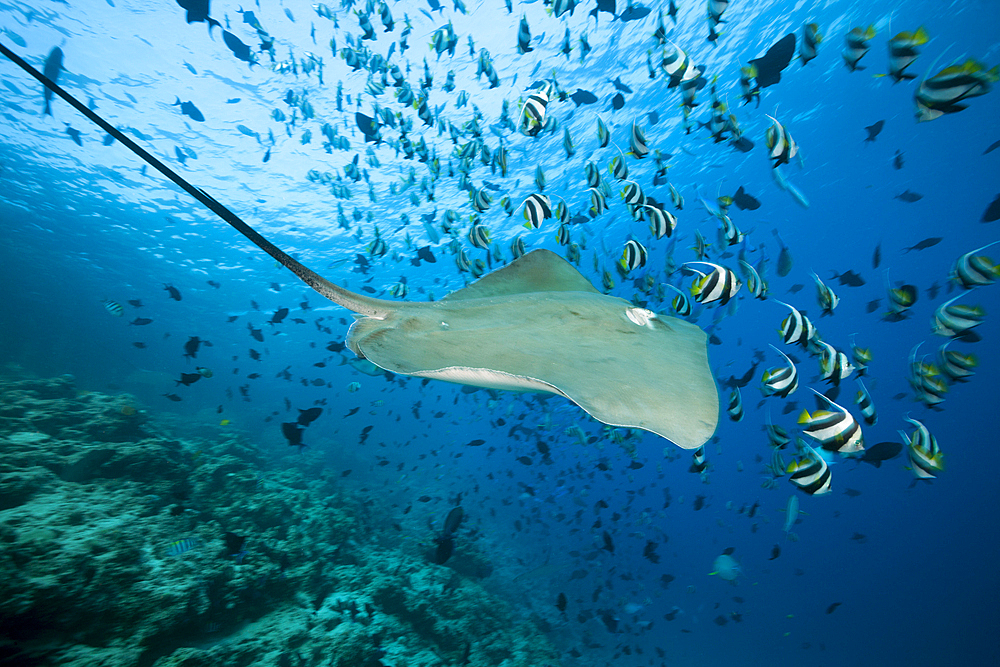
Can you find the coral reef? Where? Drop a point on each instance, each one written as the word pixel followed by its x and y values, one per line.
pixel 114 551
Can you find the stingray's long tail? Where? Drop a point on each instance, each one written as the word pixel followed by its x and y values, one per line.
pixel 355 302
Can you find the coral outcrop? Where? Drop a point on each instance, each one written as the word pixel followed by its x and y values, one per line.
pixel 114 551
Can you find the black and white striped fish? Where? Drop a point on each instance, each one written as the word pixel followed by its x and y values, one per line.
pixel 956 366
pixel 479 236
pixel 517 247
pixel 834 365
pixel 719 284
pixel 661 223
pixel 481 200
pixel 865 404
pixel 562 235
pixel 634 256
pixel 637 142
pixel 603 136
pixel 618 168
pixel 825 296
pixel 598 204
pixel 780 381
pixel 972 269
pixel 537 209
pixel 755 284
pixel 796 328
pixel 952 319
pixel 524 36
pixel 777 436
pixel 836 430
pixel 735 408
pixel 633 195
pixel 533 113
pixel 926 459
pixel 681 304
pixel 698 463
pixel 810 472
pixel 780 145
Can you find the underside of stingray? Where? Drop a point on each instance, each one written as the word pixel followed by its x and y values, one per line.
pixel 539 325
pixel 534 325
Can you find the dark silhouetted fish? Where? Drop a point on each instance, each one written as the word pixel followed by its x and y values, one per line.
pixel 307 417
pixel 923 245
pixel 190 110
pixel 849 278
pixel 239 49
pixel 873 130
pixel 745 202
pixel 197 12
pixel 583 97
pixel 992 211
pixel 909 197
pixel 883 451
pixel 618 101
pixel 770 65
pixel 52 69
pixel 293 434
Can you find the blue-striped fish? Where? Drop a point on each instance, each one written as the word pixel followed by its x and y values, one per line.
pixel 354 387
pixel 926 459
pixel 182 546
pixel 113 307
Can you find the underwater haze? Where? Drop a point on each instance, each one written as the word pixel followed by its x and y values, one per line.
pixel 196 468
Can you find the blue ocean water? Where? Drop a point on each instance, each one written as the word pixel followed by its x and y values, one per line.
pixel 910 563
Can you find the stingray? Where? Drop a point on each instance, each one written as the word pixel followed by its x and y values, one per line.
pixel 535 325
